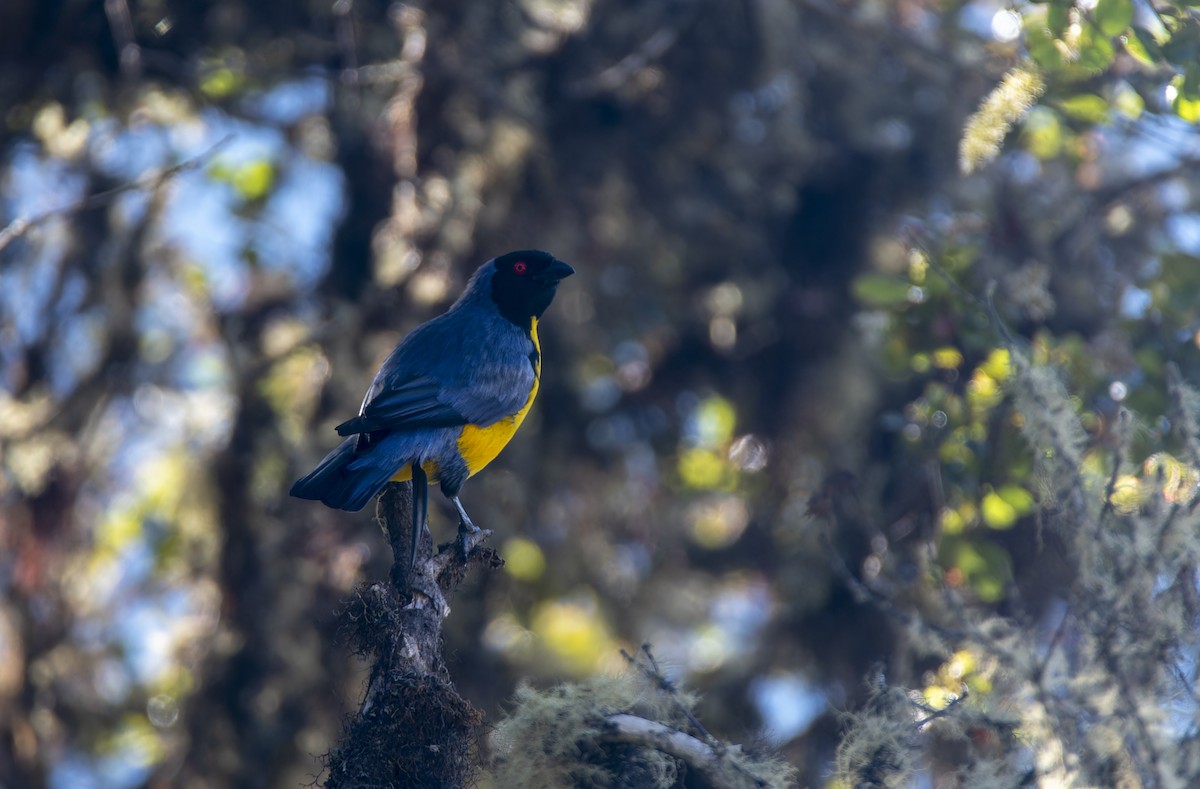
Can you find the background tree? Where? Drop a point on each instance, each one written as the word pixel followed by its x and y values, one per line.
pixel 823 418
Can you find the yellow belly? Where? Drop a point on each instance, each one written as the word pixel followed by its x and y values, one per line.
pixel 480 445
pixel 405 472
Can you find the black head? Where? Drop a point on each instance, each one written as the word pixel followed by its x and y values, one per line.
pixel 524 283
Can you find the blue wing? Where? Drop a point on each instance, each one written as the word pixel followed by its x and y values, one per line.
pixel 464 367
pixel 411 405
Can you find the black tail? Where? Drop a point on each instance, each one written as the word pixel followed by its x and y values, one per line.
pixel 420 508
pixel 334 484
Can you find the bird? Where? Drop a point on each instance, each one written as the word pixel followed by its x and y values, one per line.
pixel 448 398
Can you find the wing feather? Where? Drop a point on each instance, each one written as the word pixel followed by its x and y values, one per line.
pixel 415 404
pixel 464 367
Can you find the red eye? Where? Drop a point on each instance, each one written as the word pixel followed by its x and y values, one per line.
pixel 519 267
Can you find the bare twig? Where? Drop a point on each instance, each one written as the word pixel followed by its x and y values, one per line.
pixel 864 594
pixel 613 77
pixel 932 714
pixel 1123 421
pixel 1055 641
pixel 1150 760
pixel 655 675
pixel 623 71
pixel 993 314
pixel 705 754
pixel 1188 427
pixel 985 304
pixel 150 181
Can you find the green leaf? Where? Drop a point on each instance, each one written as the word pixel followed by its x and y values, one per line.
pixel 1042 133
pixel 1002 508
pixel 1187 109
pixel 1186 104
pixel 1114 16
pixel 252 180
pixel 1020 499
pixel 1190 87
pixel 878 290
pixel 997 513
pixel 1058 16
pixel 1043 48
pixel 1095 52
pixel 255 179
pixel 985 566
pixel 1128 101
pixel 1142 47
pixel 221 83
pixel 1087 107
pixel 1183 46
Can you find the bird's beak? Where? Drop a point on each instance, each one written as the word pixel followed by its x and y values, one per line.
pixel 556 271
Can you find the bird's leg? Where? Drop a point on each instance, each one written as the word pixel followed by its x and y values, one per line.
pixel 464 523
pixel 465 527
pixel 420 510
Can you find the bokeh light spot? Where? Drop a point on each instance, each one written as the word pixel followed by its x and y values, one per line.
pixel 573 633
pixel 702 468
pixel 719 522
pixel 1006 25
pixel 749 453
pixel 523 559
pixel 162 710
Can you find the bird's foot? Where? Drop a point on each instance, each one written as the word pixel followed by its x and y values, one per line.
pixel 465 530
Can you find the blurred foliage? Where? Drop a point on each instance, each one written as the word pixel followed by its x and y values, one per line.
pixel 1090 62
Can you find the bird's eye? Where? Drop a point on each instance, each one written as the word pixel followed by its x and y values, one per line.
pixel 520 267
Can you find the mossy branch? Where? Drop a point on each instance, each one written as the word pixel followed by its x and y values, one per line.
pixel 709 761
pixel 630 730
pixel 413 728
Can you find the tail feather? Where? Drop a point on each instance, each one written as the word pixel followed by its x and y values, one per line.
pixel 336 485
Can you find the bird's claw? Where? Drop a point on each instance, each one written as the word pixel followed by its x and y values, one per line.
pixel 465 530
